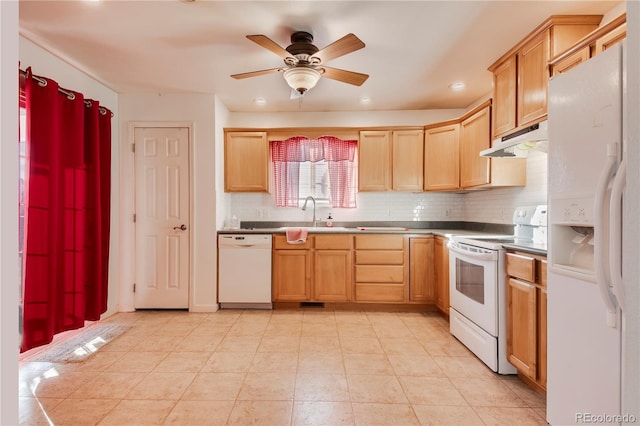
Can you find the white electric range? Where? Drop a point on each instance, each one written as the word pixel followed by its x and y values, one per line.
pixel 478 286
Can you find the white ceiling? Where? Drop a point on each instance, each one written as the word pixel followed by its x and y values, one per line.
pixel 414 50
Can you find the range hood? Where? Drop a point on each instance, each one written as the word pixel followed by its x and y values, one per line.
pixel 520 142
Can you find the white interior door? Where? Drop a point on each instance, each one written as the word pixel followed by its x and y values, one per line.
pixel 162 217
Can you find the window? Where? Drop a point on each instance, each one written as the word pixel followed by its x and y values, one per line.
pixel 314 181
pixel 325 168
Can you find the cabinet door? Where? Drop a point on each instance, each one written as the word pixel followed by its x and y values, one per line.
pixel 442 158
pixel 533 77
pixel 522 327
pixel 611 38
pixel 504 96
pixel 441 254
pixel 421 270
pixel 332 275
pixel 571 61
pixel 475 136
pixel 374 161
pixel 246 162
pixel 291 275
pixel 407 163
pixel 542 338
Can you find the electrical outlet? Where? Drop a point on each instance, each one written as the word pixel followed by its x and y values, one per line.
pixel 259 213
pixel 389 212
pixel 447 212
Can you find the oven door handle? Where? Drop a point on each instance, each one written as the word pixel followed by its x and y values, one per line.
pixel 472 255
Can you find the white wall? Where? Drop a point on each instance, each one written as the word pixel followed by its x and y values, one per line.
pixel 9 271
pixel 222 200
pixel 45 64
pixel 201 111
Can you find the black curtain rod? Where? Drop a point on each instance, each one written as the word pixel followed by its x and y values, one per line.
pixel 42 82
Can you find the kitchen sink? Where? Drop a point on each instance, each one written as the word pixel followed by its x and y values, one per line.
pixel 312 229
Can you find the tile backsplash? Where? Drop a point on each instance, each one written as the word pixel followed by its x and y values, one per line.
pixel 497 205
pixel 491 206
pixel 371 206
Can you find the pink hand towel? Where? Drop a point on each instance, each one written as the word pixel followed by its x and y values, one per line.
pixel 296 235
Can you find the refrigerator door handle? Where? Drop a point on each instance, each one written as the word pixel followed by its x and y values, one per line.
pixel 601 263
pixel 615 232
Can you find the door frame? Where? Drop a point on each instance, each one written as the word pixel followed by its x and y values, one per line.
pixel 127 297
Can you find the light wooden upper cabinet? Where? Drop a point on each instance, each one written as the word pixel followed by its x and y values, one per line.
pixel 452 158
pixel 475 132
pixel 594 43
pixel 374 155
pixel 571 61
pixel 504 96
pixel 246 162
pixel 407 158
pixel 390 160
pixel 520 76
pixel 442 158
pixel 611 38
pixel 533 79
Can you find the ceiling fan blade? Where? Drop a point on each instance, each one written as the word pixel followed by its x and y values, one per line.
pixel 256 73
pixel 269 44
pixel 347 44
pixel 349 77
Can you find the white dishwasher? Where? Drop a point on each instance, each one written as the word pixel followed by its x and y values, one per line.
pixel 244 271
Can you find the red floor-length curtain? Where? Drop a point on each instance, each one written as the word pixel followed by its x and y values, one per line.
pixel 64 249
pixel 97 158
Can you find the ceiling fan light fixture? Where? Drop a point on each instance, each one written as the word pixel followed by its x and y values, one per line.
pixel 302 79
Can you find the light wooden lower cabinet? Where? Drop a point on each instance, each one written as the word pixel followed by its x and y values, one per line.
pixel 381 268
pixel 523 332
pixel 422 286
pixel 355 268
pixel 332 268
pixel 441 260
pixel 291 275
pixel 527 316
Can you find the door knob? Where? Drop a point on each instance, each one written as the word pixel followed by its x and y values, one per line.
pixel 182 227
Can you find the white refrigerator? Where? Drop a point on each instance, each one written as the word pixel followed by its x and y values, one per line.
pixel 586 179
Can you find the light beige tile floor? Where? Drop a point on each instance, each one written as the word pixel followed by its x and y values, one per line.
pixel 276 368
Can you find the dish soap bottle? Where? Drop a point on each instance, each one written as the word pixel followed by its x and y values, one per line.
pixel 329 221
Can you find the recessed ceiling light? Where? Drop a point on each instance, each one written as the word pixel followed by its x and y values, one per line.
pixel 365 100
pixel 260 101
pixel 457 86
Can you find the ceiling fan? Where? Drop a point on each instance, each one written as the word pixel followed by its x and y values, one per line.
pixel 304 61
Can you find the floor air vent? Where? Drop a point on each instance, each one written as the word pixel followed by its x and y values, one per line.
pixel 312 304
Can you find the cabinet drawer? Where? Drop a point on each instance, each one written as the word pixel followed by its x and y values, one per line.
pixel 379 274
pixel 280 243
pixel 379 257
pixel 379 242
pixel 366 292
pixel 521 266
pixel 333 242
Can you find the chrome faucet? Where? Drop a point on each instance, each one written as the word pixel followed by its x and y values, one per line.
pixel 304 207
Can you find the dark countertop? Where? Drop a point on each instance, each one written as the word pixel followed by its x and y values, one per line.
pixel 441 228
pixel 532 248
